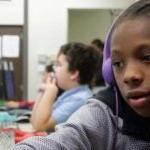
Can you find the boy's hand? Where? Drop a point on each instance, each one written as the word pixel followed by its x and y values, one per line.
pixel 49 86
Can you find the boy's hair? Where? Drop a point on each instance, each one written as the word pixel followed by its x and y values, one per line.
pixel 83 58
pixel 99 43
pixel 137 10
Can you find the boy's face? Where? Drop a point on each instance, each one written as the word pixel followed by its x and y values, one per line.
pixel 131 63
pixel 64 77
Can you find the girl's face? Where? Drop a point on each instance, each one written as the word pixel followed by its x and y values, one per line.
pixel 131 63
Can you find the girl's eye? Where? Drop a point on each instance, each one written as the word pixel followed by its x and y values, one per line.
pixel 146 58
pixel 117 64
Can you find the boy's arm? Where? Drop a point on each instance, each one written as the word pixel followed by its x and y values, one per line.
pixel 41 115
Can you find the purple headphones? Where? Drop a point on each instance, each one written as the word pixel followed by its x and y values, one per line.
pixel 107 65
pixel 107 70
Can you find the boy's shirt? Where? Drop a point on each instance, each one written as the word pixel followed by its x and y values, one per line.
pixel 69 102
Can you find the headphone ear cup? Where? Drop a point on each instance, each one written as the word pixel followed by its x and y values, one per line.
pixel 108 72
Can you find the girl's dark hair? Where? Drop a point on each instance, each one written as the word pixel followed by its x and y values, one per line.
pixel 137 10
pixel 83 58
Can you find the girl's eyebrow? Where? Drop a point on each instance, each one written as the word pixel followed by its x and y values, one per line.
pixel 143 46
pixel 140 46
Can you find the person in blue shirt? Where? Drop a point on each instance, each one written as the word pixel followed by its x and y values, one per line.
pixel 74 71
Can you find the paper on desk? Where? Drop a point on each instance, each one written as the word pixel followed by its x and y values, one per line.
pixel 10 46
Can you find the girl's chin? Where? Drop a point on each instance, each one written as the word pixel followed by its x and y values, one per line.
pixel 141 106
pixel 143 113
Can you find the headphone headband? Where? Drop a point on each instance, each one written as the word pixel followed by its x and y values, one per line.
pixel 107 70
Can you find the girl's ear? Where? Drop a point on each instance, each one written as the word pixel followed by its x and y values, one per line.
pixel 74 75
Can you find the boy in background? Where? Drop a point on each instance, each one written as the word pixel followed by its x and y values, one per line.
pixel 76 65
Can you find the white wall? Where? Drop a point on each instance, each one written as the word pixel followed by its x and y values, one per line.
pixel 12 12
pixel 48 29
pixel 103 4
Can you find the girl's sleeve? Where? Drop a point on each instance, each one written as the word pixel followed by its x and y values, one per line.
pixel 68 136
pixel 86 129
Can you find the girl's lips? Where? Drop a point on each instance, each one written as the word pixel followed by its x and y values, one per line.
pixel 138 98
pixel 140 101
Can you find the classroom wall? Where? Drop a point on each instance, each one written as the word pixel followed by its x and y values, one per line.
pixel 47 27
pixel 46 32
pixel 95 25
pixel 48 23
pixel 103 4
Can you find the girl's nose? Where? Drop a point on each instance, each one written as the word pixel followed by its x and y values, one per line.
pixel 133 75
